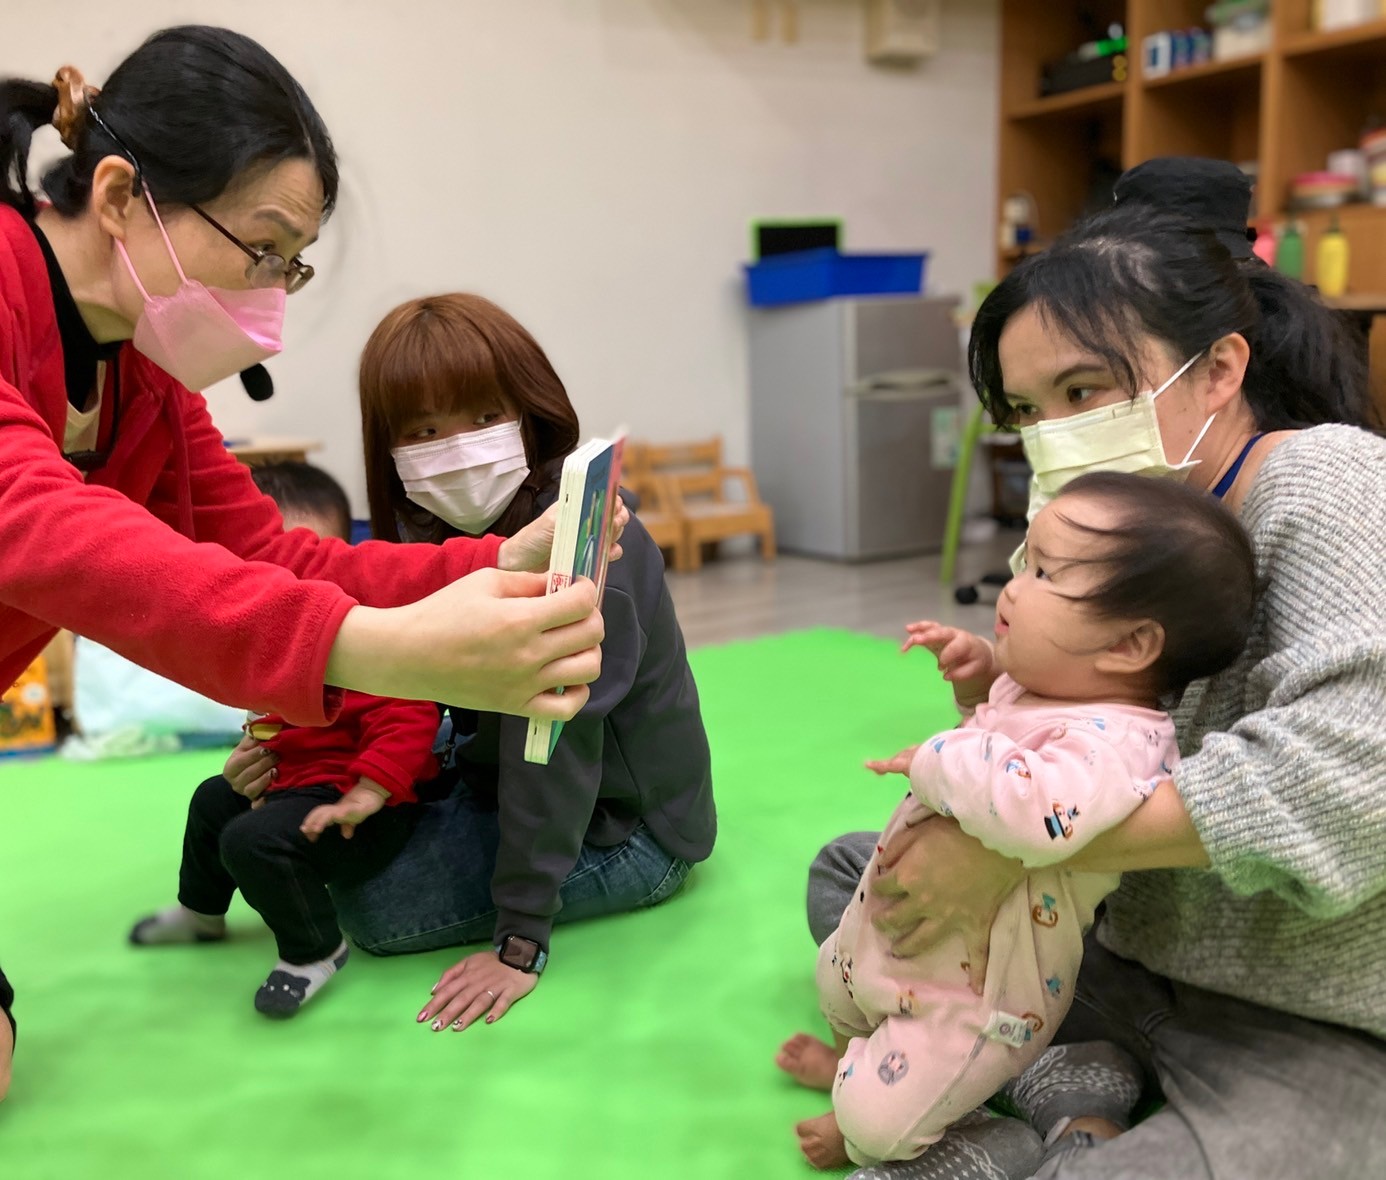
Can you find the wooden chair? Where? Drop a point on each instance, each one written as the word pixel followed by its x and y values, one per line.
pixel 699 482
pixel 656 512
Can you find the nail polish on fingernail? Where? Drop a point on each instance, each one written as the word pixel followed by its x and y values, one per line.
pixel 423 1015
pixel 490 1020
pixel 437 1026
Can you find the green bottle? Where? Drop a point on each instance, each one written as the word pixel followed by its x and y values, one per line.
pixel 1289 256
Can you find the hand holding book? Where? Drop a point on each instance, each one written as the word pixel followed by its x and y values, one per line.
pixel 590 514
pixel 532 547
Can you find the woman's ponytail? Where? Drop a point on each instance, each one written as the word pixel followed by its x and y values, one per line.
pixel 1307 366
pixel 24 108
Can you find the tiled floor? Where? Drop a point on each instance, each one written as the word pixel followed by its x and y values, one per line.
pixel 742 597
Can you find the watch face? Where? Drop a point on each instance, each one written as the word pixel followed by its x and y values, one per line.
pixel 519 953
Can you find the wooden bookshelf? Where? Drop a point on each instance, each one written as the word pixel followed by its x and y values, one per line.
pixel 1208 74
pixel 1310 93
pixel 1350 42
pixel 1090 100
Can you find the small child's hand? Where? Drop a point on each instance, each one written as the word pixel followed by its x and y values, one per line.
pixel 960 654
pixel 967 661
pixel 358 804
pixel 900 764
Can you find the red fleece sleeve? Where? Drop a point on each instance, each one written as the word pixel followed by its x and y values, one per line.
pixel 230 510
pixel 248 618
pixel 396 744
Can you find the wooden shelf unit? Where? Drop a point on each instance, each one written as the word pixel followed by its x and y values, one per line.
pixel 1213 72
pixel 1308 94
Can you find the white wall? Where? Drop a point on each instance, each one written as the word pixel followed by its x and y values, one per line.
pixel 592 165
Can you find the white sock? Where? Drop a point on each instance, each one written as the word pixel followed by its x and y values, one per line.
pixel 178 924
pixel 291 985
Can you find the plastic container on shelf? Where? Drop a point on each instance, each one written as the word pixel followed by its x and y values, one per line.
pixel 1289 254
pixel 822 274
pixel 1323 190
pixel 1331 262
pixel 1374 150
pixel 1240 28
pixel 1341 14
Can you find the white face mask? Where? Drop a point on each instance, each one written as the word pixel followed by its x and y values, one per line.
pixel 467 479
pixel 1124 437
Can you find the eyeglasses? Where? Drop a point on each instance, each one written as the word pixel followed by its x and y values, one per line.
pixel 266 269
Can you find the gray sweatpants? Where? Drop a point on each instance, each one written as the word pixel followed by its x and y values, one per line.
pixel 1251 1093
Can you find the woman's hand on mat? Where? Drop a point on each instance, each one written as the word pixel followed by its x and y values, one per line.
pixel 358 804
pixel 936 880
pixel 900 764
pixel 250 768
pixel 529 549
pixel 967 661
pixel 480 985
pixel 491 641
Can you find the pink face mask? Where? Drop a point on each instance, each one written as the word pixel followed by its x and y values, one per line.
pixel 201 335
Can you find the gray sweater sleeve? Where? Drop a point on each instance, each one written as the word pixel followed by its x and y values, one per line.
pixel 544 811
pixel 1290 797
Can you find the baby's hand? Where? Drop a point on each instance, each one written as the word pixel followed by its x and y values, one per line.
pixel 960 654
pixel 900 764
pixel 358 804
pixel 967 661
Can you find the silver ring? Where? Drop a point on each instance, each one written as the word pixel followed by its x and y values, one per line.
pixel 490 993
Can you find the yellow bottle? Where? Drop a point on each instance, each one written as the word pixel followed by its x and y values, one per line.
pixel 1331 264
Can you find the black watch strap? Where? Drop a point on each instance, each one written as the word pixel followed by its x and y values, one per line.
pixel 523 954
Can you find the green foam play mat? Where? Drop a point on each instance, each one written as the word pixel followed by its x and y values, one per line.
pixel 646 1051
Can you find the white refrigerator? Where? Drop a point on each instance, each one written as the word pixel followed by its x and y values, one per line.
pixel 854 423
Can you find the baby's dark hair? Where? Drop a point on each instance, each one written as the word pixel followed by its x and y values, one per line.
pixel 1179 557
pixel 301 487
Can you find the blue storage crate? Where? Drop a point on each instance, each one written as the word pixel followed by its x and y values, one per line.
pixel 821 274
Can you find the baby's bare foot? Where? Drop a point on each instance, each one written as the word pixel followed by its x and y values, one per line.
pixel 821 1141
pixel 809 1061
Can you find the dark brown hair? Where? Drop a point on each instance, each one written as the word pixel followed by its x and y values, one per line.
pixel 445 353
pixel 196 109
pixel 1179 557
pixel 1132 270
pixel 301 487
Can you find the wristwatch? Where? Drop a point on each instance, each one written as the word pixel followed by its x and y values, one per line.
pixel 524 954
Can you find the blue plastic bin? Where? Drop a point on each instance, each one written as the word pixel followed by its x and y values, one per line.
pixel 821 274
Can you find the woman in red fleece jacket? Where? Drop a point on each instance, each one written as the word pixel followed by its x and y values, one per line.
pixel 173 233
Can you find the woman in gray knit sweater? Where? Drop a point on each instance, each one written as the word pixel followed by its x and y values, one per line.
pixel 1240 969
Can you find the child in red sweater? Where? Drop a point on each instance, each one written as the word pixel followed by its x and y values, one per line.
pixel 287 817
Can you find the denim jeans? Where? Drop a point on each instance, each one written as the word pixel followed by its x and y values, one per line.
pixel 437 892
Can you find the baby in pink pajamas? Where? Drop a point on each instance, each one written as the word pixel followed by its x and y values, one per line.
pixel 1132 588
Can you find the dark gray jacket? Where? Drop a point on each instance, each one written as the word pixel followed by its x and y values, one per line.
pixel 636 753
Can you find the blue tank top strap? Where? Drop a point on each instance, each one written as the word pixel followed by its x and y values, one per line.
pixel 1226 482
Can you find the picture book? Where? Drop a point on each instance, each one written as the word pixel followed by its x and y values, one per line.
pixel 587 495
